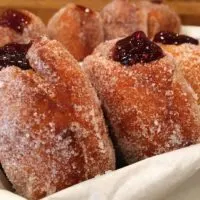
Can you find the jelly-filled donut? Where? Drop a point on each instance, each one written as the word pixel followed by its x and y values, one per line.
pixel 20 26
pixel 123 17
pixel 150 106
pixel 78 28
pixel 52 131
pixel 186 51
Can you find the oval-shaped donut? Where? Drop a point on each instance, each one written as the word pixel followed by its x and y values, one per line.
pixel 52 131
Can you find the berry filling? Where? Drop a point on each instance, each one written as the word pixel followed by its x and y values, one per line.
pixel 14 20
pixel 14 54
pixel 136 48
pixel 165 37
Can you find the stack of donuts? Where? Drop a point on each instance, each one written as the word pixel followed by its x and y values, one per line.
pixel 136 94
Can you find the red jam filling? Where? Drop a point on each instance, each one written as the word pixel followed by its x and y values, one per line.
pixel 14 54
pixel 165 37
pixel 136 48
pixel 15 20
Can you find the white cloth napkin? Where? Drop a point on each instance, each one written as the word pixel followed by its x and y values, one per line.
pixel 5 195
pixel 171 176
pixel 193 31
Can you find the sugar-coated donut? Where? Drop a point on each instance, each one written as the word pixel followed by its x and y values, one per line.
pixel 78 28
pixel 52 131
pixel 119 18
pixel 186 51
pixel 159 17
pixel 123 17
pixel 150 106
pixel 20 26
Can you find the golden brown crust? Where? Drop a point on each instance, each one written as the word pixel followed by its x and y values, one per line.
pixel 34 29
pixel 187 57
pixel 122 18
pixel 52 132
pixel 151 107
pixel 160 18
pixel 79 29
pixel 119 18
pixel 157 17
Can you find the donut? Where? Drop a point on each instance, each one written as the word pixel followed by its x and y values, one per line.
pixel 150 106
pixel 186 52
pixel 20 26
pixel 119 19
pixel 123 17
pixel 160 17
pixel 78 28
pixel 52 131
